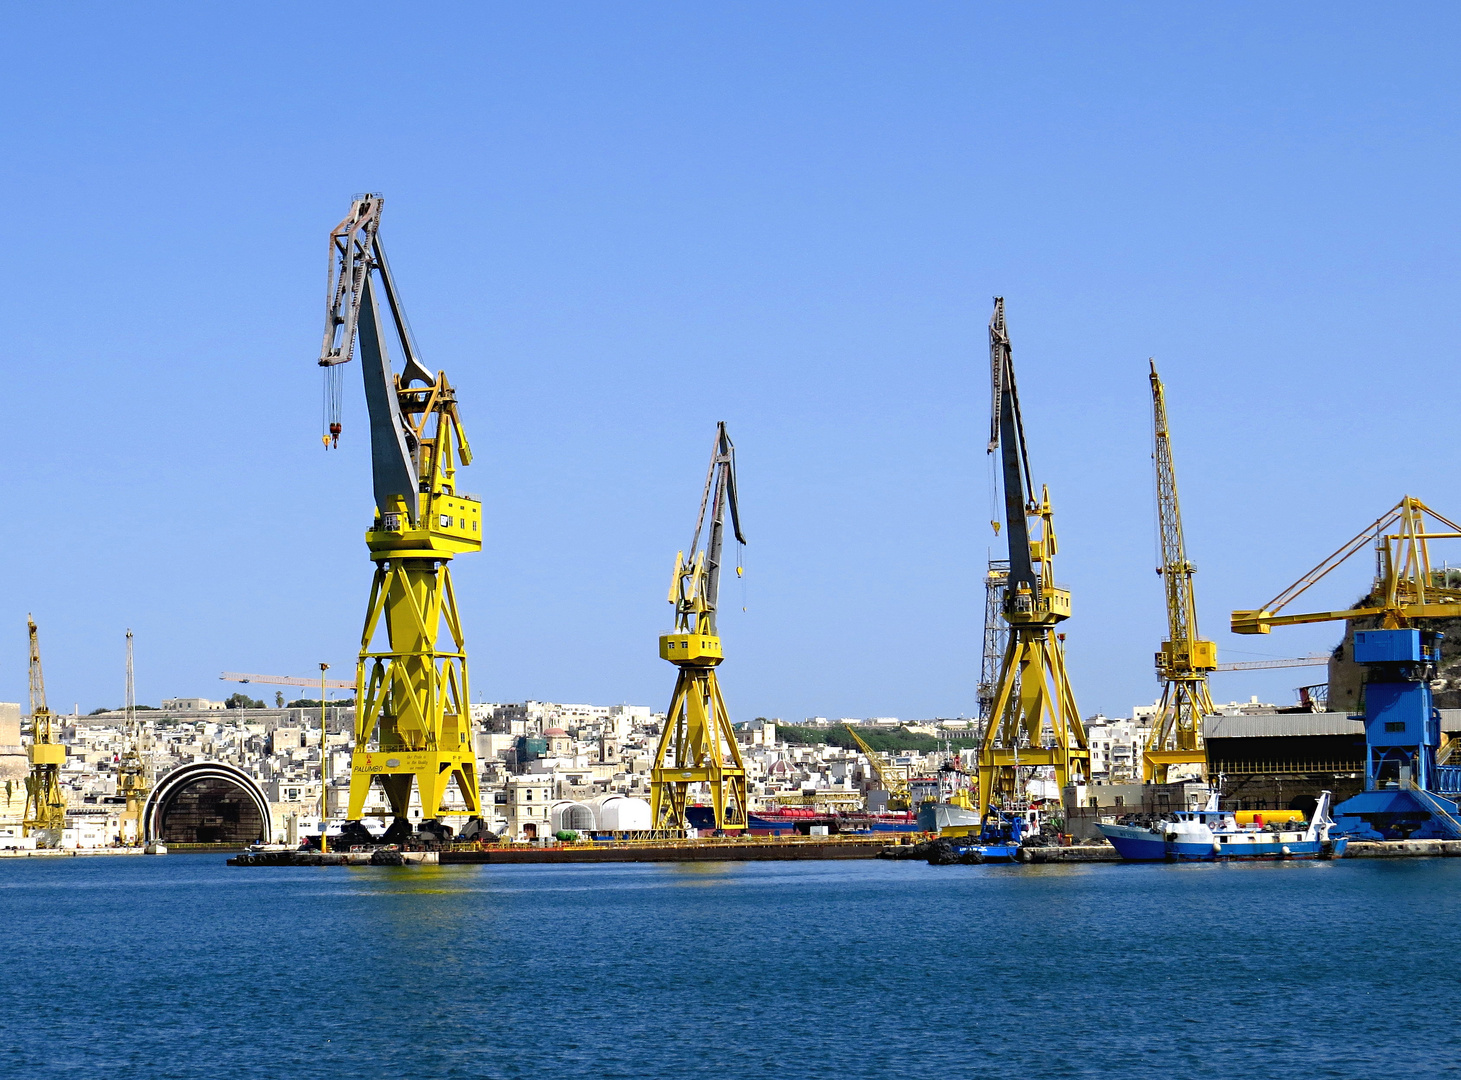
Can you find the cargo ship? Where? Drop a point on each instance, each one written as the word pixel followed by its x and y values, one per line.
pixel 791 820
pixel 1212 835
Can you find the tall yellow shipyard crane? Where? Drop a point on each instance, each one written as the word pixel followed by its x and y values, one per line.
pixel 134 778
pixel 1185 659
pixel 1033 720
pixel 45 801
pixel 698 745
pixel 412 722
pixel 888 775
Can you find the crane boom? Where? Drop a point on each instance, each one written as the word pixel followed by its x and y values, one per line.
pixel 895 786
pixel 1313 660
pixel 1405 588
pixel 285 680
pixel 718 495
pixel 1176 570
pixel 134 772
pixel 1007 435
pixel 1185 658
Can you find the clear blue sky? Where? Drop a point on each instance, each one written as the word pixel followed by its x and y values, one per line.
pixel 614 225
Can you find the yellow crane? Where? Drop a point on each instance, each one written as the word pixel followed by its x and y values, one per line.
pixel 1185 658
pixel 1033 720
pixel 45 801
pixel 887 774
pixel 698 745
pixel 134 777
pixel 1406 588
pixel 412 724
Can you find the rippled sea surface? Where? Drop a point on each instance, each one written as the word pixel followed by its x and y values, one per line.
pixel 184 967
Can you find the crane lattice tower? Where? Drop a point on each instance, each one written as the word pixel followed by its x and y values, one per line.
pixel 1185 658
pixel 134 780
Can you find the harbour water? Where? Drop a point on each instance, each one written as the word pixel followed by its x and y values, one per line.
pixel 183 967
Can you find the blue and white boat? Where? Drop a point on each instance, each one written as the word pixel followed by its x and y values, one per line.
pixel 1211 834
pixel 999 836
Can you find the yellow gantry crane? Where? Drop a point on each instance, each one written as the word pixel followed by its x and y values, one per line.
pixel 1185 658
pixel 698 745
pixel 1033 721
pixel 412 722
pixel 888 775
pixel 45 801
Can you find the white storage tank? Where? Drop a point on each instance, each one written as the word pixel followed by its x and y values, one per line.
pixel 572 816
pixel 556 813
pixel 618 813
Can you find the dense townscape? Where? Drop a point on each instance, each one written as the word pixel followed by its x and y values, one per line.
pixel 535 756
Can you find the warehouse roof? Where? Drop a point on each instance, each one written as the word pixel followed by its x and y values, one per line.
pixel 1269 725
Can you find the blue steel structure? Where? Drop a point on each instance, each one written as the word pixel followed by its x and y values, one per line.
pixel 1407 795
pixel 1410 790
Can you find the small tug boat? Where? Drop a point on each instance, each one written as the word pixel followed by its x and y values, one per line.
pixel 999 836
pixel 1212 835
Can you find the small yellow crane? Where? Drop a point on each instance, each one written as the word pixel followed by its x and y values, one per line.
pixel 134 777
pixel 888 775
pixel 45 801
pixel 1185 658
pixel 1033 721
pixel 698 745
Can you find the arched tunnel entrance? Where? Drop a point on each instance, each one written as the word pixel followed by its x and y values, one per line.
pixel 208 803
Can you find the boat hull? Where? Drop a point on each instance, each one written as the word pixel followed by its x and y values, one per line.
pixel 992 852
pixel 1136 844
pixel 936 817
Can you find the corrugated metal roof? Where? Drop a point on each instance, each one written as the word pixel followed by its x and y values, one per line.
pixel 1270 725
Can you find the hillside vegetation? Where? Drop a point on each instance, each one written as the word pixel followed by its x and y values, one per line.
pixel 884 740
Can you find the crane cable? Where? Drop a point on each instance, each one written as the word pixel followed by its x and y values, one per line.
pixel 740 569
pixel 333 394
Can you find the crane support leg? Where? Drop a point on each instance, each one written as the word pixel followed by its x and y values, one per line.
pixel 1176 735
pixel 1033 722
pixel 698 746
pixel 412 721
